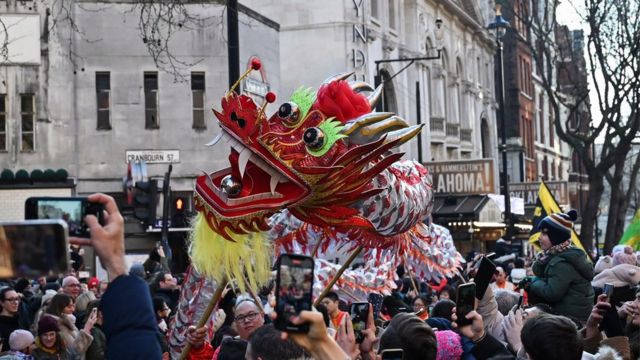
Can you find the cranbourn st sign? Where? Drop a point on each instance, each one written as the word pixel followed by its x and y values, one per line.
pixel 463 176
pixel 153 156
pixel 529 191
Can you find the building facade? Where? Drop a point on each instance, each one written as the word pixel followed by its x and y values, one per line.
pixel 91 97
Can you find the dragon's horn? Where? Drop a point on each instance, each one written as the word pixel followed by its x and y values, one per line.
pixel 360 86
pixel 404 135
pixel 375 97
pixel 341 76
pixel 372 126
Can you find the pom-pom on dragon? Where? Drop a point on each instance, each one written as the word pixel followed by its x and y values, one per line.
pixel 327 159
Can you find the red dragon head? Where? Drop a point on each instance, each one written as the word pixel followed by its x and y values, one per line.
pixel 315 157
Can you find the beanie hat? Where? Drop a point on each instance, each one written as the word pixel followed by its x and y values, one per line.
pixel 604 263
pixel 20 339
pixel 21 285
pixel 517 275
pixel 449 345
pixel 558 226
pixel 624 257
pixel 93 282
pixel 46 324
pixel 410 333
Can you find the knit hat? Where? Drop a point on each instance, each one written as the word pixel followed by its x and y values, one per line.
pixel 558 226
pixel 20 339
pixel 626 256
pixel 517 275
pixel 46 324
pixel 449 345
pixel 604 263
pixel 410 333
pixel 93 282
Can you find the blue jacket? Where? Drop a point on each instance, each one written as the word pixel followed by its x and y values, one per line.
pixel 129 322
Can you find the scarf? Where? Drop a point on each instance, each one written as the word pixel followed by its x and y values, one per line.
pixel 40 345
pixel 544 256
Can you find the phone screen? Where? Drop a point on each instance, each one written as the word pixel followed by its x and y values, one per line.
pixel 294 290
pixel 33 248
pixel 608 289
pixel 465 302
pixel 392 354
pixel 359 315
pixel 72 210
pixel 483 277
pixel 376 303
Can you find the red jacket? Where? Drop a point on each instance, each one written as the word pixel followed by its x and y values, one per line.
pixel 204 353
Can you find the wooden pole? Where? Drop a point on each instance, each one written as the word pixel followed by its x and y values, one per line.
pixel 344 267
pixel 314 253
pixel 413 282
pixel 207 313
pixel 255 297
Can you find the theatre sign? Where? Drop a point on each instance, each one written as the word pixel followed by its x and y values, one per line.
pixel 529 191
pixel 463 176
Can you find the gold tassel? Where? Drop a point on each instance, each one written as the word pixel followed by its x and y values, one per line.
pixel 217 258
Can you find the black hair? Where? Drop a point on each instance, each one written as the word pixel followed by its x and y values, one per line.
pixel 443 308
pixel 414 336
pixel 267 344
pixel 158 304
pixel 519 263
pixel 58 303
pixel 331 295
pixel 221 334
pixel 232 349
pixel 3 294
pixel 551 337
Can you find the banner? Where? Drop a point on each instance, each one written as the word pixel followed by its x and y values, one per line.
pixel 545 205
pixel 631 236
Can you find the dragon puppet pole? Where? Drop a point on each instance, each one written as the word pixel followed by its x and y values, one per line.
pixel 207 313
pixel 344 267
pixel 413 282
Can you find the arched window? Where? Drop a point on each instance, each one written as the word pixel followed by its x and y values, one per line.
pixel 388 93
pixel 486 138
pixel 445 97
pixel 459 96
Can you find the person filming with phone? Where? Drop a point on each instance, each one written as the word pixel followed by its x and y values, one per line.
pixel 562 272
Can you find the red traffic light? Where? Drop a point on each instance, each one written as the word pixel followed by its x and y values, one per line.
pixel 179 204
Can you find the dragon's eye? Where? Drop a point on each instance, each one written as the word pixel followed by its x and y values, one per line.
pixel 289 112
pixel 314 138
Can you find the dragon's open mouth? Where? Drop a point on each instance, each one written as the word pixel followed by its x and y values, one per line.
pixel 250 184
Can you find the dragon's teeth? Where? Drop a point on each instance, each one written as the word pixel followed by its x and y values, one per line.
pixel 275 179
pixel 243 159
pixel 216 139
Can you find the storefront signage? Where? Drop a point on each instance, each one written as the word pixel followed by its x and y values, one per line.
pixel 463 177
pixel 529 191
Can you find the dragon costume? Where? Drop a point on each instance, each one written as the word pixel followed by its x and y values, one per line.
pixel 324 167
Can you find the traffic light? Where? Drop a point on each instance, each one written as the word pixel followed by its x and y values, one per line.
pixel 179 211
pixel 144 201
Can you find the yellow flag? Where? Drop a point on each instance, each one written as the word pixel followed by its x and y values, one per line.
pixel 545 205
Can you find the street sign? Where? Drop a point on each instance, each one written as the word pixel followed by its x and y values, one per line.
pixel 158 223
pixel 463 176
pixel 153 156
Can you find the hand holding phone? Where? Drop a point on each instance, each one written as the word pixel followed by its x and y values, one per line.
pixel 608 290
pixel 294 288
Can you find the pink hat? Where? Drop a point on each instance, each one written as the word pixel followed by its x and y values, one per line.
pixel 624 257
pixel 449 345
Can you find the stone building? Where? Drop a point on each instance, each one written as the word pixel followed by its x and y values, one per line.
pixel 83 93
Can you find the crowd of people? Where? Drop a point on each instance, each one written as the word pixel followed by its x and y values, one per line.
pixel 551 306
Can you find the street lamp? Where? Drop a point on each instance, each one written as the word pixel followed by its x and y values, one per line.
pixel 378 78
pixel 499 28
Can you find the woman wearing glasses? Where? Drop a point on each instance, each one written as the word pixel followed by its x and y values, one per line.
pixel 9 319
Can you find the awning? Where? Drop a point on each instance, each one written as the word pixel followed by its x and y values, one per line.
pixel 457 206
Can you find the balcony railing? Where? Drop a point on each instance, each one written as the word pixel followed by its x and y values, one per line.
pixel 437 125
pixel 465 135
pixel 453 129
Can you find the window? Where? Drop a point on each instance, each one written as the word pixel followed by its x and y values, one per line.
pixel 197 93
pixel 375 9
pixel 103 89
pixel 541 120
pixel 151 100
pixel 392 15
pixel 3 123
pixel 27 118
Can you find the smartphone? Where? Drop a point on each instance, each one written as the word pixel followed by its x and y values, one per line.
pixel 392 354
pixel 359 312
pixel 376 303
pixel 294 290
pixel 608 290
pixel 519 306
pixel 33 248
pixel 483 276
pixel 70 209
pixel 465 302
